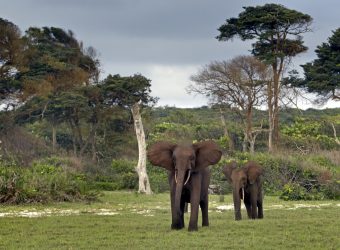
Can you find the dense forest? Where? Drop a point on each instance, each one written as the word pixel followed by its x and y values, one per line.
pixel 67 132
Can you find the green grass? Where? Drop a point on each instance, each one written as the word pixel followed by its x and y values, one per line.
pixel 143 222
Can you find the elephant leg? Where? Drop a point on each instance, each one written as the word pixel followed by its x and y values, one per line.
pixel 204 202
pixel 204 208
pixel 172 201
pixel 237 204
pixel 247 203
pixel 260 205
pixel 253 199
pixel 194 202
pixel 183 204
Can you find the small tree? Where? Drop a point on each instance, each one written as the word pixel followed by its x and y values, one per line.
pixel 240 84
pixel 277 31
pixel 132 92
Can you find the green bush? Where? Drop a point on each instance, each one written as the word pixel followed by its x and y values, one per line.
pixel 124 174
pixel 104 185
pixel 42 183
pixel 293 191
pixel 331 190
pixel 158 178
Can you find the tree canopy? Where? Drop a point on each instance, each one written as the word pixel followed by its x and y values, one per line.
pixel 276 30
pixel 56 62
pixel 127 90
pixel 322 75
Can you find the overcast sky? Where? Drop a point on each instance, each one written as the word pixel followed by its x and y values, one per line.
pixel 165 40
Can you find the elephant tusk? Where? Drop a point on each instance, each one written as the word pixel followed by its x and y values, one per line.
pixel 242 193
pixel 176 177
pixel 187 178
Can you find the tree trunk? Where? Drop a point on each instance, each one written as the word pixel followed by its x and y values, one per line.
pixel 277 71
pixel 249 129
pixel 334 133
pixel 270 116
pixel 89 139
pixel 54 137
pixel 245 143
pixel 144 184
pixel 226 132
pixel 252 146
pixel 74 138
pixel 94 153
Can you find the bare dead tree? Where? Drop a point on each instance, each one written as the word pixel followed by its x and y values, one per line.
pixel 239 83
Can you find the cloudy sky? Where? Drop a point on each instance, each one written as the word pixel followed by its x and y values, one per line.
pixel 165 40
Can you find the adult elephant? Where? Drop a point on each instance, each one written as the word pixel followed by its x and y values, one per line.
pixel 246 180
pixel 189 177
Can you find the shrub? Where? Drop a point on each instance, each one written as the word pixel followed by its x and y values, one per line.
pixel 124 174
pixel 42 183
pixel 158 178
pixel 293 191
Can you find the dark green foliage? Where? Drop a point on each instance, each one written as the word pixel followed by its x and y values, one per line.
pixel 123 175
pixel 126 91
pixel 158 178
pixel 120 175
pixel 271 25
pixel 42 183
pixel 322 76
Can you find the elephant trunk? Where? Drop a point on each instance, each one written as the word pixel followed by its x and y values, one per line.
pixel 237 201
pixel 178 222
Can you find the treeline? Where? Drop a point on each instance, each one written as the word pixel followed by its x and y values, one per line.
pixel 61 123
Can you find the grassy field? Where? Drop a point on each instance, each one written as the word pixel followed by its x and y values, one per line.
pixel 124 220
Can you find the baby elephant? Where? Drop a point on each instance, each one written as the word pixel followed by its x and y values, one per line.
pixel 246 181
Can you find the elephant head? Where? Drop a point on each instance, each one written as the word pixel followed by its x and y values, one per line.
pixel 240 179
pixel 183 161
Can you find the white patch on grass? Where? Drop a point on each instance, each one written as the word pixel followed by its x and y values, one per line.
pixel 106 213
pixel 325 204
pixel 143 211
pixel 276 206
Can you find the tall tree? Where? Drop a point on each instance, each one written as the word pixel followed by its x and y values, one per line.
pixel 322 76
pixel 240 84
pixel 11 48
pixel 277 32
pixel 132 92
pixel 56 66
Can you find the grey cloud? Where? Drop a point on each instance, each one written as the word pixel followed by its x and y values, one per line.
pixel 136 33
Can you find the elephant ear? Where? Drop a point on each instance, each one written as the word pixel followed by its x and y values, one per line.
pixel 160 154
pixel 228 170
pixel 253 172
pixel 207 153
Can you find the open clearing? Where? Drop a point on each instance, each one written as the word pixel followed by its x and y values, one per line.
pixel 124 220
